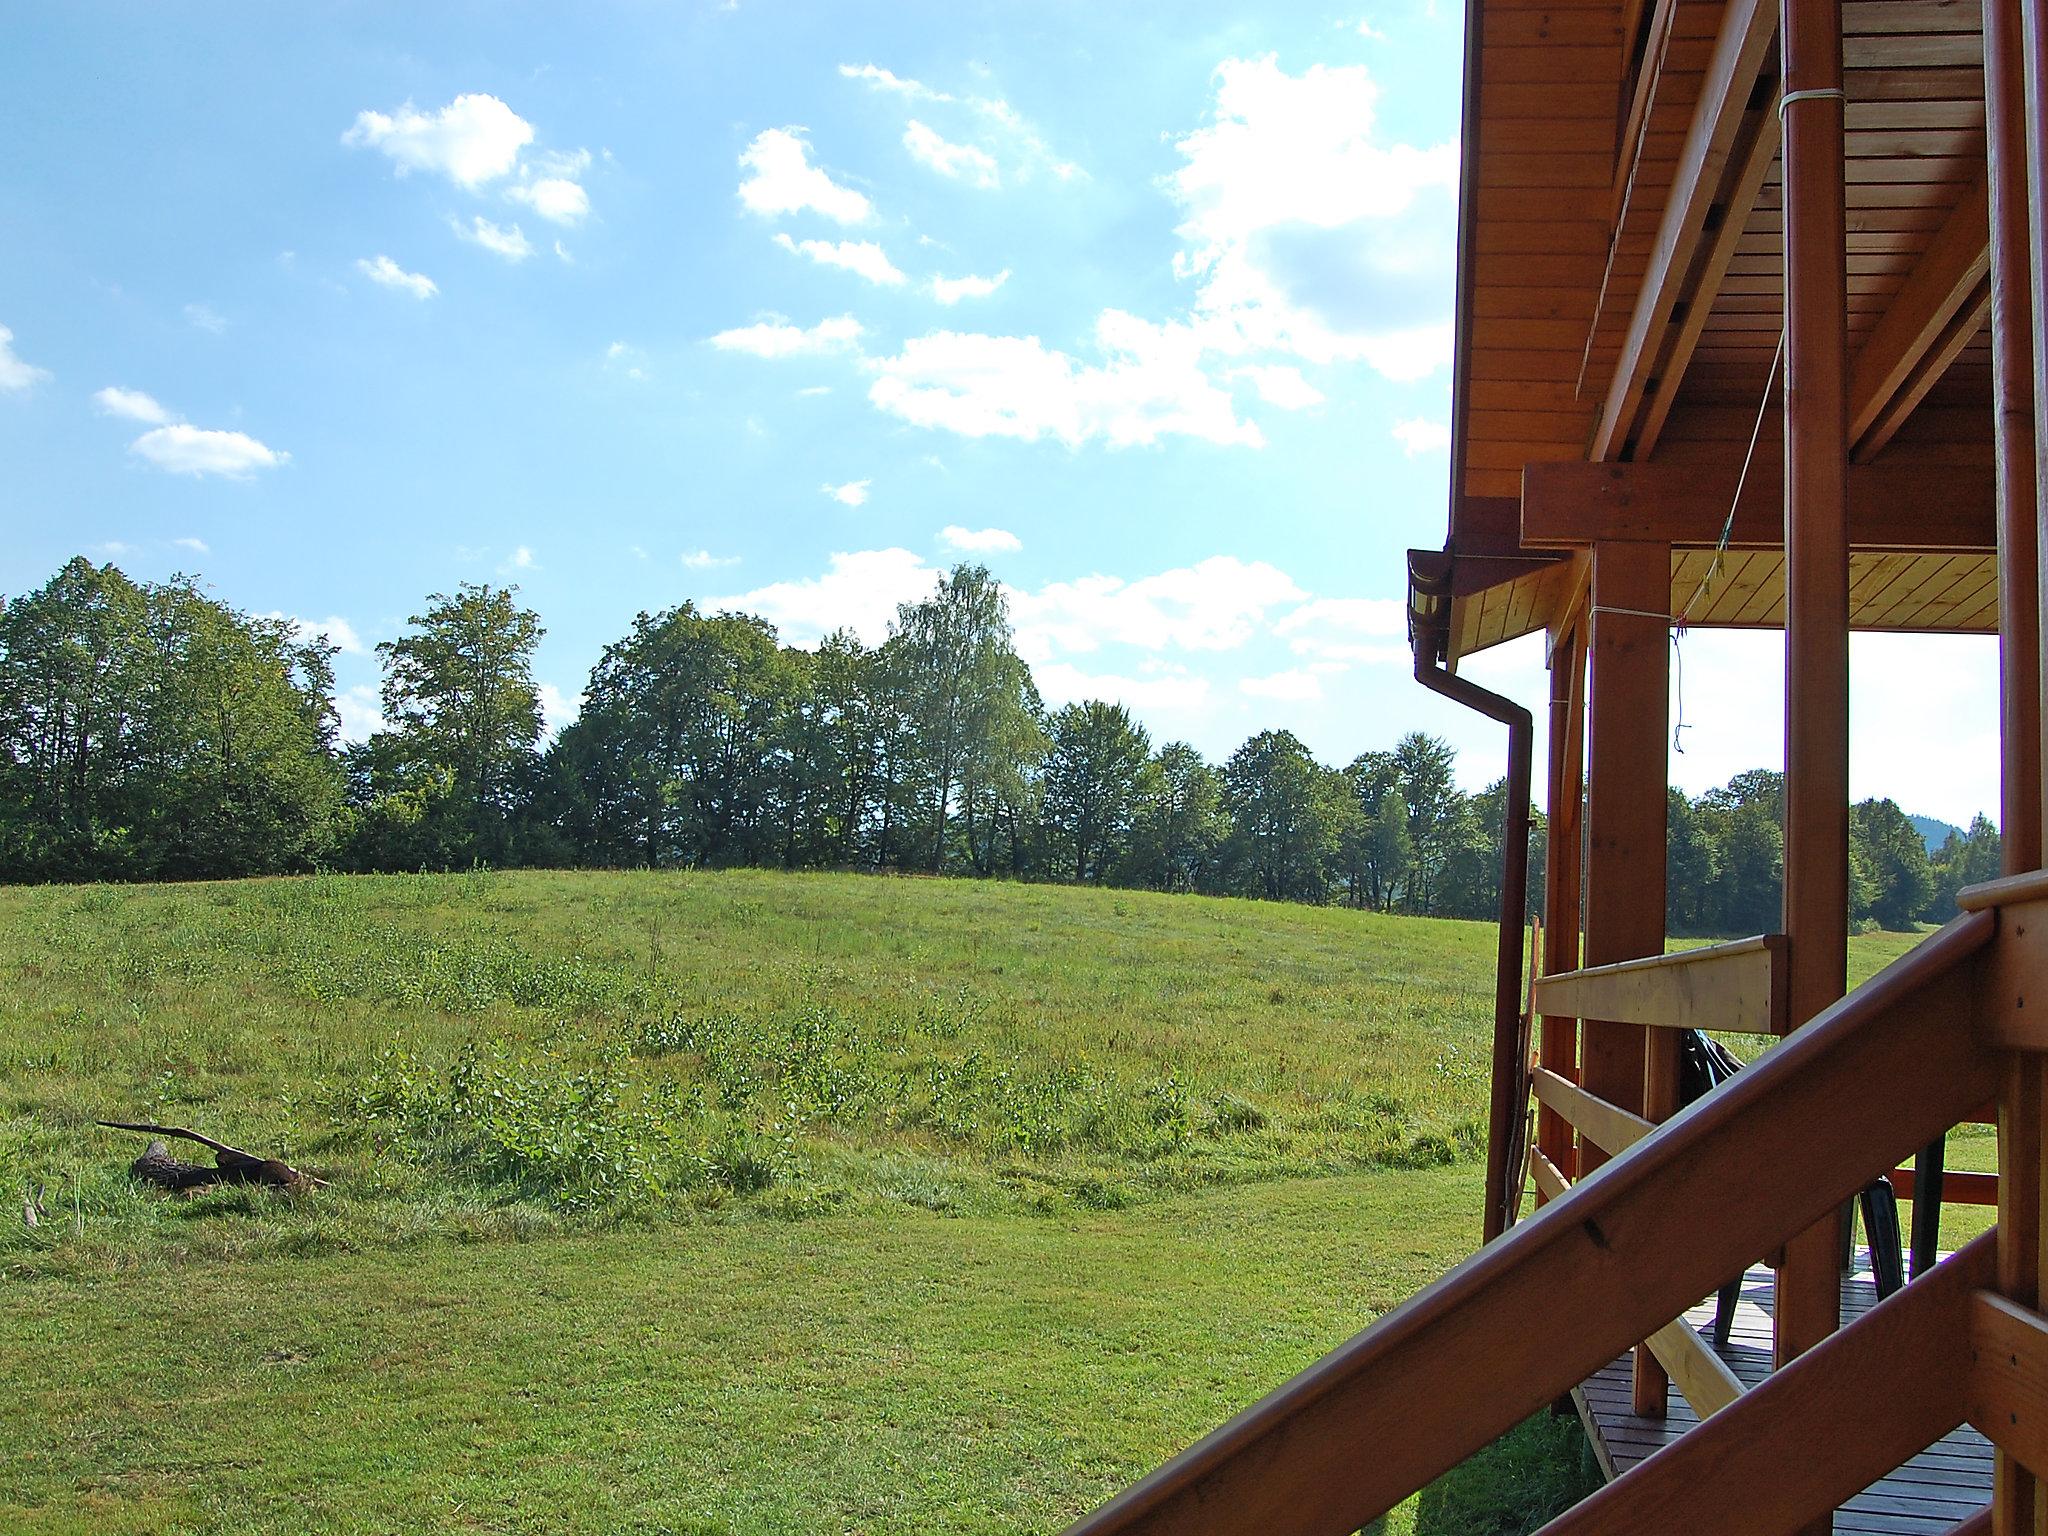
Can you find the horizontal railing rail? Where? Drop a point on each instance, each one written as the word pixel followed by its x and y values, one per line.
pixel 1856 1091
pixel 1737 988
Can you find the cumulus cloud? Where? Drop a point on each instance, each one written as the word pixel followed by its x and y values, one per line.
pixel 473 140
pixel 15 372
pixel 1307 231
pixel 854 493
pixel 859 591
pixel 181 449
pixel 197 546
pixel 337 632
pixel 878 78
pixel 961 162
pixel 704 560
pixel 558 710
pixel 361 712
pixel 511 243
pixel 131 405
pixel 1023 143
pixel 1295 685
pixel 781 179
pixel 778 338
pixel 1282 386
pixel 1061 682
pixel 863 258
pixel 1420 435
pixel 1348 630
pixel 980 541
pixel 951 290
pixel 1216 604
pixel 1151 385
pixel 555 198
pixel 389 274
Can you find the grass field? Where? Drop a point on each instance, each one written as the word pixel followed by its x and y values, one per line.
pixel 713 1203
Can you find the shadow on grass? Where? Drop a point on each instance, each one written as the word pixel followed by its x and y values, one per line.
pixel 1536 1470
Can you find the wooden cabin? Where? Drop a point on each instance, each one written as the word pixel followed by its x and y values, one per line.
pixel 1747 336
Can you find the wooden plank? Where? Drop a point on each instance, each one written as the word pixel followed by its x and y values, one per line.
pixel 1698 1373
pixel 1738 57
pixel 1957 1188
pixel 2007 1394
pixel 1865 1085
pixel 1943 281
pixel 1787 1451
pixel 1895 506
pixel 1737 987
pixel 1550 1183
pixel 1608 1126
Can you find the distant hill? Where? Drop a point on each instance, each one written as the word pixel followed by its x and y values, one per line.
pixel 1932 832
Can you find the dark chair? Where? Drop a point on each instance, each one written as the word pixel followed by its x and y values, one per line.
pixel 1703 1065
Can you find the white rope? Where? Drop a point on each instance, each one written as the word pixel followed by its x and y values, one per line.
pixel 1816 93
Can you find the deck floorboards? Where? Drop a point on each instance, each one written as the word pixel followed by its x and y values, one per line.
pixel 1945 1483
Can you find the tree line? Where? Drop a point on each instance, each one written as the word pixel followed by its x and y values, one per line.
pixel 149 731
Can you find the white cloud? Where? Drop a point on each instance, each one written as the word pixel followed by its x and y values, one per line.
pixel 854 493
pixel 958 161
pixel 951 290
pixel 1282 386
pixel 473 140
pixel 206 317
pixel 338 632
pixel 554 198
pixel 782 180
pixel 864 258
pixel 628 360
pixel 812 391
pixel 558 710
pixel 187 450
pixel 778 338
pixel 389 274
pixel 522 560
pixel 1026 146
pixel 1151 386
pixel 562 254
pixel 704 560
pixel 1296 685
pixel 511 244
pixel 981 541
pixel 361 712
pixel 197 546
pixel 131 405
pixel 1348 630
pixel 1217 604
pixel 1062 682
pixel 860 592
pixel 15 373
pixel 1420 435
pixel 874 76
pixel 1306 232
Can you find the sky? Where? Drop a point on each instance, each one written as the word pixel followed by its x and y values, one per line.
pixel 787 308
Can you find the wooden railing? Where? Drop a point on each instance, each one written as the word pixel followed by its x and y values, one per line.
pixel 1736 988
pixel 1850 1095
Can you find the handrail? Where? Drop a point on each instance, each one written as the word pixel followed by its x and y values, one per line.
pixel 1738 988
pixel 1870 1080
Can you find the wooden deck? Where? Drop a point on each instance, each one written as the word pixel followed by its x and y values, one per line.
pixel 1930 1493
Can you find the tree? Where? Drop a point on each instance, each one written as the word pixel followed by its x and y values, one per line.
pixel 1177 823
pixel 1425 771
pixel 459 693
pixel 1098 753
pixel 1689 866
pixel 1281 808
pixel 1894 859
pixel 1967 860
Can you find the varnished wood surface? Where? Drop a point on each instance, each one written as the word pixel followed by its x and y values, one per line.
pixel 1929 1494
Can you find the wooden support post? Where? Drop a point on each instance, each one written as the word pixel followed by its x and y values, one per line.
pixel 2013 1491
pixel 1817 593
pixel 1625 815
pixel 1559 1046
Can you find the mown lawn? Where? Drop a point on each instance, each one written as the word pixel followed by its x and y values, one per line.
pixel 732 1202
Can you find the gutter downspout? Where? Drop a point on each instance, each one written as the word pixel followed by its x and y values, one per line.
pixel 1510 1072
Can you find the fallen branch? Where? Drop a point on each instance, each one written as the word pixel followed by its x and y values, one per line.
pixel 231 1164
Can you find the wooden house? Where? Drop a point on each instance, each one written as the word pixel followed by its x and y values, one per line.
pixel 1748 335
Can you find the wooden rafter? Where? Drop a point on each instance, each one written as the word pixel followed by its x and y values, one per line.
pixel 1738 58
pixel 1920 315
pixel 1960 331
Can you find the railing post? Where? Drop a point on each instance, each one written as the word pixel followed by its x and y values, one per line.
pixel 1559 1047
pixel 1625 815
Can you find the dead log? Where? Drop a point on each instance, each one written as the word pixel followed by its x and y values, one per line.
pixel 231 1164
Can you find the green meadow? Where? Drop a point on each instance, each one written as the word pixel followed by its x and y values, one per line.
pixel 733 1202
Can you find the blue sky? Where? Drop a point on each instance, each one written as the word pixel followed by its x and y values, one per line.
pixel 787 307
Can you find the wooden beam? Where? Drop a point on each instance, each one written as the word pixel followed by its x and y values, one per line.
pixel 1700 1374
pixel 1608 1126
pixel 1962 329
pixel 1957 1188
pixel 1751 170
pixel 1550 1184
pixel 1938 509
pixel 1738 987
pixel 1461 1363
pixel 1738 58
pixel 1787 1450
pixel 2007 1395
pixel 1948 274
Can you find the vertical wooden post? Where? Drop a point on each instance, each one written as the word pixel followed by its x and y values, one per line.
pixel 1808 1302
pixel 1625 814
pixel 1559 1043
